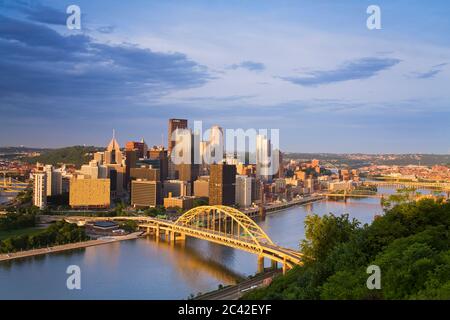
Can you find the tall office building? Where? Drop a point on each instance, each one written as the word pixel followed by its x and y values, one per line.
pixel 187 153
pixel 214 149
pixel 201 187
pixel 267 159
pixel 94 171
pixel 54 181
pixel 130 163
pixel 89 193
pixel 160 154
pixel 145 194
pixel 177 188
pixel 173 125
pixel 222 186
pixel 145 173
pixel 140 147
pixel 244 191
pixel 280 173
pixel 40 190
pixel 99 157
pixel 113 155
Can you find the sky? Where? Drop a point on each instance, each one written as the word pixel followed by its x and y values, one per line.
pixel 311 69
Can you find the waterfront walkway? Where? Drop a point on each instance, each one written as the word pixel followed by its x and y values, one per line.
pixel 69 246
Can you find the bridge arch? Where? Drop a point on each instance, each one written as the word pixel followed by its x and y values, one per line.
pixel 251 229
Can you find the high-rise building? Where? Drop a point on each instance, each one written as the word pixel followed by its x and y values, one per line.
pixel 214 150
pixel 263 158
pixel 280 173
pixel 99 157
pixel 113 155
pixel 222 186
pixel 145 194
pixel 201 187
pixel 54 181
pixel 139 146
pixel 40 190
pixel 244 191
pixel 186 155
pixel 173 125
pixel 145 173
pixel 160 154
pixel 89 193
pixel 177 188
pixel 130 162
pixel 94 171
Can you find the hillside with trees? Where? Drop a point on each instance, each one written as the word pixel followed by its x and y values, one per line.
pixel 410 243
pixel 76 155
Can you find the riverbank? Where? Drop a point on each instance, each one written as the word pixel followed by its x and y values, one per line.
pixel 69 246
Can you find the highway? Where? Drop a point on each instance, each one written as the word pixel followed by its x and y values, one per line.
pixel 236 291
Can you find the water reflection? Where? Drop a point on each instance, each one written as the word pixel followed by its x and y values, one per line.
pixel 149 269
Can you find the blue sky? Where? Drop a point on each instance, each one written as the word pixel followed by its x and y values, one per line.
pixel 309 68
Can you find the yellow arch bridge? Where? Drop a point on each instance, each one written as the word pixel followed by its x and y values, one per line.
pixel 222 225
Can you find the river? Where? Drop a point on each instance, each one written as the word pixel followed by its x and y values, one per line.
pixel 145 269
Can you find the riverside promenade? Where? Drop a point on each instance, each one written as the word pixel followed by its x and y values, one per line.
pixel 69 246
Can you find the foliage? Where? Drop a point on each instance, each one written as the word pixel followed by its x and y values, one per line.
pixel 410 243
pixel 156 211
pixel 58 233
pixel 76 155
pixel 14 220
pixel 200 202
pixel 129 226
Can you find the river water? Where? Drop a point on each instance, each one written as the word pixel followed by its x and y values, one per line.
pixel 146 269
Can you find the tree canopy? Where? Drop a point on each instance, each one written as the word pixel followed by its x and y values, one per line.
pixel 410 243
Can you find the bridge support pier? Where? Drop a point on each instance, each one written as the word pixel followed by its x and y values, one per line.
pixel 284 266
pixel 273 265
pixel 260 264
pixel 171 236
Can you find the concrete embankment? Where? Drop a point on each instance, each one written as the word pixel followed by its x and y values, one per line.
pixel 69 246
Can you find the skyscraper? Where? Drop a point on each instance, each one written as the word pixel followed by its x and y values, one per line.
pixel 185 155
pixel 130 162
pixel 145 194
pixel 215 146
pixel 222 184
pixel 139 146
pixel 244 191
pixel 173 125
pixel 54 181
pixel 113 155
pixel 267 159
pixel 40 190
pixel 160 154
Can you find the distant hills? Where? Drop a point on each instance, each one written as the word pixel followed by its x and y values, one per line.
pixel 360 159
pixel 79 155
pixel 76 155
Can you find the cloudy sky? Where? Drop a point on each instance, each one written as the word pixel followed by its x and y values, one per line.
pixel 309 68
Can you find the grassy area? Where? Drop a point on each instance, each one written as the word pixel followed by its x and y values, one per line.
pixel 19 232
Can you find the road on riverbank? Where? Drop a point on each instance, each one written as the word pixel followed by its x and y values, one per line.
pixel 236 291
pixel 69 246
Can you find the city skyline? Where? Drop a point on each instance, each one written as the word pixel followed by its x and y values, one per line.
pixel 314 71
